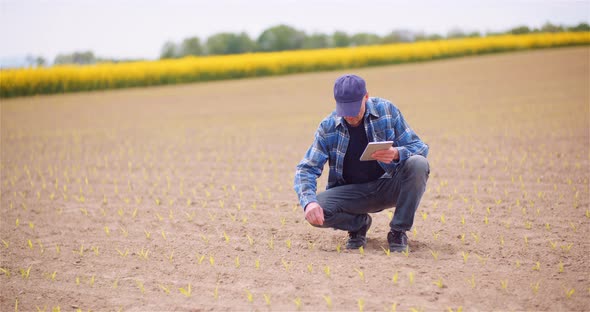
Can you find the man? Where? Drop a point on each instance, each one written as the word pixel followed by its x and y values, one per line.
pixel 397 177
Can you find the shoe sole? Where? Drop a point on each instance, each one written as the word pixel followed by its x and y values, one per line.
pixel 399 248
pixel 365 242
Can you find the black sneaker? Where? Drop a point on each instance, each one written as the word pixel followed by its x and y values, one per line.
pixel 398 241
pixel 358 239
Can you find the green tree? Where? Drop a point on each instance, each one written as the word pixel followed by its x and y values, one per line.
pixel 363 39
pixel 519 30
pixel 316 41
pixel 280 38
pixel 340 39
pixel 191 46
pixel 229 43
pixel 169 50
pixel 580 27
pixel 548 27
pixel 81 58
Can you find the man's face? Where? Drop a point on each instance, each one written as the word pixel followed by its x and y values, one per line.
pixel 356 120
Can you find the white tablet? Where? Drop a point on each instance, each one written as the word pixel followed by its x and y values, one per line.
pixel 373 147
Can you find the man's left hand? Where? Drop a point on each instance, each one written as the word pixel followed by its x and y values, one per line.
pixel 386 156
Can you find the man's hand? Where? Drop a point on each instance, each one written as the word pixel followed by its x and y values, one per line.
pixel 386 156
pixel 314 214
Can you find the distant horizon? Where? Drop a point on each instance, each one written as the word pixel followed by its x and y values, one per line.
pixel 136 29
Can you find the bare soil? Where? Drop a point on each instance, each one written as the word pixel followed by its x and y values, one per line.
pixel 119 200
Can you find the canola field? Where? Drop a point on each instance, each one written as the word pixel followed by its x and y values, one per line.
pixel 179 198
pixel 61 79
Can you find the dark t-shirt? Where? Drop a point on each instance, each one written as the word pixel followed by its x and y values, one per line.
pixel 356 171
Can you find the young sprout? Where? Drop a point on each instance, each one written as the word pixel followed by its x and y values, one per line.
pixel 361 274
pixel 271 243
pixel 560 267
pixel 471 281
pixel 187 292
pixel 237 261
pixel 298 303
pixel 567 247
pixel 211 260
pixel 537 266
pixel 286 264
pixel 504 284
pixel 395 277
pixel 411 277
pixel 361 304
pixel 438 283
pixel 257 264
pixel 328 302
pixel 569 293
pixel 122 254
pixel 442 218
pixel 266 299
pixel 362 250
pixel 424 215
pixel 5 271
pixel 327 270
pixel 434 254
pixel 387 251
pixel 249 296
pixel 30 244
pixel 338 247
pixel 406 252
pixel 535 287
pixel 465 256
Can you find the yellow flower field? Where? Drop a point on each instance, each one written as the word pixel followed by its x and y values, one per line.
pixel 59 79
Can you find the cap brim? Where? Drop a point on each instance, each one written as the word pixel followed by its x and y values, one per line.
pixel 348 109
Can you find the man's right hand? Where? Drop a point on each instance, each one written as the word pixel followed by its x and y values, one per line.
pixel 314 214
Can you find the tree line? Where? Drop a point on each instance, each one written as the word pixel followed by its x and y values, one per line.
pixel 284 37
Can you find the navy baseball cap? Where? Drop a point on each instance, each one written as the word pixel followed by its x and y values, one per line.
pixel 349 91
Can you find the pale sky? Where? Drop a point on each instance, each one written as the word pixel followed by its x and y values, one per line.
pixel 139 28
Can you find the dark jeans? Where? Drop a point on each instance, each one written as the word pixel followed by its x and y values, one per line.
pixel 346 207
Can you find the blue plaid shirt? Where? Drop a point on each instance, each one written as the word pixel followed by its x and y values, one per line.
pixel 383 122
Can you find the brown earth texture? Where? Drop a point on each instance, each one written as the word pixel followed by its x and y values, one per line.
pixel 180 198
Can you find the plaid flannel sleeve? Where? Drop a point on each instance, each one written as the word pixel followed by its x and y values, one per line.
pixel 310 169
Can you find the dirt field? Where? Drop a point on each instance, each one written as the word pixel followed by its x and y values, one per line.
pixel 180 198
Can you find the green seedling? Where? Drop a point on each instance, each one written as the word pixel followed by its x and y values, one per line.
pixel 537 266
pixel 411 277
pixel 465 256
pixel 395 277
pixel 147 234
pixel 362 250
pixel 30 244
pixel 163 234
pixel 462 220
pixel 266 299
pixel 310 268
pixel 434 254
pixel 406 252
pixel 459 309
pixel 91 282
pixel 237 261
pixel 122 254
pixel 257 264
pixel 504 284
pixel 140 286
pixel 535 287
pixel 298 303
pixel 338 247
pixel 567 247
pixel 462 238
pixel 249 296
pixel 435 235
pixel 387 251
pixel 226 237
pixel 134 213
pixel 560 267
pixel 569 293
pixel 5 271
pixel 187 292
pixel 57 249
pixel 170 257
pixel 471 281
pixel 288 242
pixel 271 243
pixel 361 304
pixel 438 283
pixel 211 260
pixel 328 302
pixel 6 244
pixel 124 232
pixel 327 270
pixel 107 230
pixel 95 249
pixel 286 264
pixel 442 218
pixel 361 274
pixel 216 292
pixel 205 238
pixel 143 254
pixel 424 215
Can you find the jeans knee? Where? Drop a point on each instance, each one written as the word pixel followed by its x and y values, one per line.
pixel 418 164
